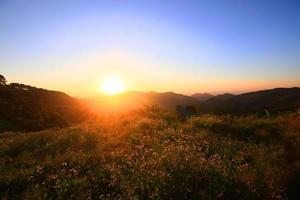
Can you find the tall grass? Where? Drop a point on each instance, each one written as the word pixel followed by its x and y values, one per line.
pixel 152 155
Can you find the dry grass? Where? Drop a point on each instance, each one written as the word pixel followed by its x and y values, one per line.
pixel 152 155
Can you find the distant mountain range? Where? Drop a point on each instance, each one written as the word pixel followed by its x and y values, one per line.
pixel 30 108
pixel 278 99
pixel 135 100
pixel 202 97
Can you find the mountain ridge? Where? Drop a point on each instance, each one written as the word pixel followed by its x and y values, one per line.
pixel 277 99
pixel 34 108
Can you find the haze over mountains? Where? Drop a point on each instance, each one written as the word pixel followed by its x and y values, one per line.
pixel 274 100
pixel 134 100
pixel 202 97
pixel 31 108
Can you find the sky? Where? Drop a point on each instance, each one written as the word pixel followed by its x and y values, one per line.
pixel 182 46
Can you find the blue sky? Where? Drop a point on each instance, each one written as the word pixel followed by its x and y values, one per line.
pixel 183 46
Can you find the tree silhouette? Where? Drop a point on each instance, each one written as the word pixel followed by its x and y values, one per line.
pixel 2 80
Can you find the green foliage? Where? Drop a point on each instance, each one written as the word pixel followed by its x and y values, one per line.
pixel 151 155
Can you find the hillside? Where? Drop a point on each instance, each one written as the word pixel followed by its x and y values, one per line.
pixel 152 155
pixel 202 97
pixel 136 100
pixel 273 100
pixel 24 107
pixel 147 153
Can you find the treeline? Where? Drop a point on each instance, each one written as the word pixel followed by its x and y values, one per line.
pixel 23 107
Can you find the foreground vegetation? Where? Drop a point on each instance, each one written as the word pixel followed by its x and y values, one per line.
pixel 149 154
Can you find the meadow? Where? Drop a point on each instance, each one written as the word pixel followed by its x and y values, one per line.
pixel 152 154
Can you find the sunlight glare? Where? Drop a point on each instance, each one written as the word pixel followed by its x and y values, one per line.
pixel 112 86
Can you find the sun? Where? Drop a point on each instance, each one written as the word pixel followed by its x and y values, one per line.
pixel 112 85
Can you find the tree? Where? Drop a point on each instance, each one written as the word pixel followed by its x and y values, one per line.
pixel 2 80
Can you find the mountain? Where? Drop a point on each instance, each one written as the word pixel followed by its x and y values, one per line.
pixel 23 107
pixel 273 100
pixel 134 100
pixel 202 97
pixel 278 99
pixel 171 99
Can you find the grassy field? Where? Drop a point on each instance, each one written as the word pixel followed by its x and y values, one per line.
pixel 150 154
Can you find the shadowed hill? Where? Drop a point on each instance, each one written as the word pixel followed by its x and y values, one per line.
pixel 28 108
pixel 24 107
pixel 202 97
pixel 275 100
pixel 135 100
pixel 171 99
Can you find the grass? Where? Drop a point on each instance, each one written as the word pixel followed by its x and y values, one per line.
pixel 152 155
